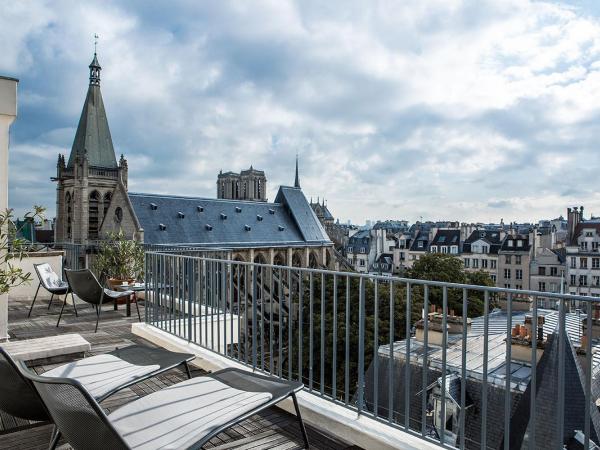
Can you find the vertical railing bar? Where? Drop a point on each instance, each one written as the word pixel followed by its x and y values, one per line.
pixel 300 323
pixel 213 302
pixel 561 375
pixel 262 318
pixel 508 369
pixel 290 303
pixel 221 306
pixel 205 282
pixel 391 363
pixel 376 349
pixel 533 379
pixel 272 300
pixel 424 381
pixel 239 313
pixel 254 316
pixel 322 361
pixel 310 333
pixel 190 297
pixel 484 385
pixel 334 342
pixel 463 370
pixel 347 345
pixel 444 362
pixel 407 365
pixel 280 328
pixel 246 269
pixel 361 344
pixel 588 374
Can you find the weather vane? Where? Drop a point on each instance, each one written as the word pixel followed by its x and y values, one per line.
pixel 95 41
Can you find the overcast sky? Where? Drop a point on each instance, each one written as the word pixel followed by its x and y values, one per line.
pixel 466 110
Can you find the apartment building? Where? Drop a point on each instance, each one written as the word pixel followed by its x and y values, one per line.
pixel 480 252
pixel 582 255
pixel 358 251
pixel 547 271
pixel 514 258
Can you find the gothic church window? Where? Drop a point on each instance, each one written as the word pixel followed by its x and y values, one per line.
pixel 106 203
pixel 93 221
pixel 69 204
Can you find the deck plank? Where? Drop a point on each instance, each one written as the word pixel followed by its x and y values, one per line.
pixel 271 429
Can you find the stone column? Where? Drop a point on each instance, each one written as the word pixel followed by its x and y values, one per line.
pixel 8 113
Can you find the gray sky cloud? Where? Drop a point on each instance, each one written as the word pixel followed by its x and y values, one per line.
pixel 457 110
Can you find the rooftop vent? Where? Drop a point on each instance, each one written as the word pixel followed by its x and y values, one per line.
pixel 153 206
pixel 208 227
pixel 247 227
pixel 200 208
pixel 238 209
pixel 271 211
pixel 223 216
pixel 281 228
pixel 180 215
pixel 259 217
pixel 162 227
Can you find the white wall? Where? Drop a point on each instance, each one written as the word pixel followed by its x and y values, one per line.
pixel 27 290
pixel 8 112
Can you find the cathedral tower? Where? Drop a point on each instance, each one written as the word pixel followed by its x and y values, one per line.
pixel 87 182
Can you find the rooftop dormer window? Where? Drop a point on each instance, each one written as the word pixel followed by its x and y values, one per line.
pixel 247 227
pixel 162 227
pixel 153 206
pixel 181 215
pixel 271 211
pixel 208 227
pixel 238 209
pixel 519 243
pixel 281 228
pixel 200 208
pixel 510 243
pixel 223 216
pixel 259 217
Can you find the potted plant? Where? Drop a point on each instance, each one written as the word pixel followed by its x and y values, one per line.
pixel 119 259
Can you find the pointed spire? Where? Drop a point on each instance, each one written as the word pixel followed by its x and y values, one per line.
pixel 297 180
pixel 95 66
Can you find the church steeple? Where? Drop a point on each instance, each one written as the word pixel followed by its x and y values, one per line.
pixel 95 71
pixel 93 139
pixel 297 180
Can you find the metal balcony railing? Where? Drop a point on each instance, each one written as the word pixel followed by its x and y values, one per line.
pixel 431 358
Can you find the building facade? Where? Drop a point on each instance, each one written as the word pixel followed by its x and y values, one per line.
pixel 480 252
pixel 250 184
pixel 514 259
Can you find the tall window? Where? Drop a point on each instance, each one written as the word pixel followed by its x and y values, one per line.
pixel 507 274
pixel 258 195
pixel 519 274
pixel 69 203
pixel 517 259
pixel 507 258
pixel 93 215
pixel 583 263
pixel 106 203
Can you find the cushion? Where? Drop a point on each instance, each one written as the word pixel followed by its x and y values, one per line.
pixel 102 373
pixel 182 414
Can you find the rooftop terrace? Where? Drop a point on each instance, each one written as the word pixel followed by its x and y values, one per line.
pixel 272 429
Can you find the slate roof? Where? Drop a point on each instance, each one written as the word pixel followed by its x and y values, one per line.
pixel 423 237
pixel 446 237
pixel 526 244
pixel 229 223
pixel 93 134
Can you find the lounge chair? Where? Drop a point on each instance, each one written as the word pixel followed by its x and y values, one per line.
pixel 185 415
pixel 102 375
pixel 50 281
pixel 86 286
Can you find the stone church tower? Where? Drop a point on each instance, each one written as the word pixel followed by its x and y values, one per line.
pixel 88 182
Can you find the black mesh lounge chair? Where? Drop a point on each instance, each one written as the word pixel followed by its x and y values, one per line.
pixel 102 375
pixel 49 280
pixel 185 415
pixel 86 286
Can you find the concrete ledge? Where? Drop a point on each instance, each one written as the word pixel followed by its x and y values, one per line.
pixel 46 348
pixel 320 413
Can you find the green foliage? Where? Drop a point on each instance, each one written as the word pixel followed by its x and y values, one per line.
pixel 13 248
pixel 120 258
pixel 448 268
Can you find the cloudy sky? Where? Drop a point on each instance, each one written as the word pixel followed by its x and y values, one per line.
pixel 444 109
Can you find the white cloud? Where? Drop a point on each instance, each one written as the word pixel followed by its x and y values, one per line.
pixel 436 108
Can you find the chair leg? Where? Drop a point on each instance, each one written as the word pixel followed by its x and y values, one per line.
pixel 300 421
pixel 61 311
pixel 33 302
pixel 50 303
pixel 98 315
pixel 55 438
pixel 74 305
pixel 187 369
pixel 138 309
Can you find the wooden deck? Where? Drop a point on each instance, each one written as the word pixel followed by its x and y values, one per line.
pixel 272 429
